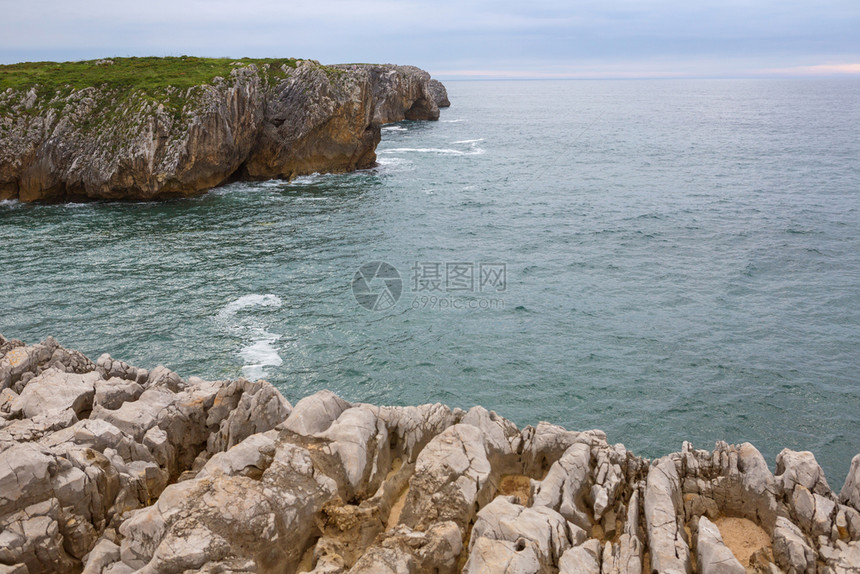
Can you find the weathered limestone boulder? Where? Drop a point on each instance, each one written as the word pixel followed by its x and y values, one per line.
pixel 489 556
pixel 25 430
pixel 565 485
pixel 732 480
pixel 846 561
pixel 25 474
pixel 241 409
pixel 19 363
pixel 218 516
pixel 161 376
pixel 502 438
pixel 812 505
pixel 503 520
pixel 413 427
pixel 814 513
pixel 109 367
pixel 182 416
pixel 846 524
pixel 583 559
pixel 544 444
pixel 112 393
pixel 105 553
pixel 626 556
pixel 31 537
pixel 21 360
pixel 791 548
pixel 5 345
pixel 67 493
pixel 98 435
pixel 54 391
pixel 360 442
pixel 7 397
pixel 315 413
pixel 800 468
pixel 670 551
pixel 439 93
pixel 68 360
pixel 850 493
pixel 712 555
pixel 406 550
pixel 452 479
pixel 248 458
pixel 137 417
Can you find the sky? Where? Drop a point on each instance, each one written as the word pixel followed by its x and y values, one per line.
pixel 458 38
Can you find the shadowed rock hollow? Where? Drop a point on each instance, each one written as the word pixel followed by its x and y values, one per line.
pixel 107 468
pixel 104 142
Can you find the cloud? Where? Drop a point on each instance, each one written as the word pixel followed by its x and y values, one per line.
pixel 504 36
pixel 819 70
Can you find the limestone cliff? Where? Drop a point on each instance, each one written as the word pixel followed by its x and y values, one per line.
pixel 106 468
pixel 255 122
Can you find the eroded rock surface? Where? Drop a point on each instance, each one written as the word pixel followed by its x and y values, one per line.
pixel 107 468
pixel 109 143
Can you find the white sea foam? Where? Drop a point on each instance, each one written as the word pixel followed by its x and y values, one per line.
pixel 452 121
pixel 469 141
pixel 441 151
pixel 259 351
pixel 260 354
pixel 272 183
pixel 9 203
pixel 392 161
pixel 310 179
pixel 394 129
pixel 252 300
pixel 235 187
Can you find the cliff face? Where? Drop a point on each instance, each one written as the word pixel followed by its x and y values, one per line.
pixel 115 143
pixel 107 468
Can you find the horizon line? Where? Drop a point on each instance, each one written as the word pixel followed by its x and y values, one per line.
pixel 816 71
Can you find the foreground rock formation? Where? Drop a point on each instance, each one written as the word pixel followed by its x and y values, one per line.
pixel 117 143
pixel 109 468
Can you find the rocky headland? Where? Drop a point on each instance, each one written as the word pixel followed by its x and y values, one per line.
pixel 110 468
pixel 157 128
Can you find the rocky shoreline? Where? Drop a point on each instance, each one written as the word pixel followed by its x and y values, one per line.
pixel 109 468
pixel 257 122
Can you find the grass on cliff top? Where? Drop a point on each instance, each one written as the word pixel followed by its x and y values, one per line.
pixel 147 74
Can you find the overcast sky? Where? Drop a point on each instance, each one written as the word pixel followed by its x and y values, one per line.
pixel 458 38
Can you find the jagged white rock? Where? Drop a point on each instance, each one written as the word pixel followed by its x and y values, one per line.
pixel 225 476
pixel 712 554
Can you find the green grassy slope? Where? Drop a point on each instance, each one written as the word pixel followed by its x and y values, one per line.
pixel 147 74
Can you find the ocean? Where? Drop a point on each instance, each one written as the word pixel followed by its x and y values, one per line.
pixel 665 260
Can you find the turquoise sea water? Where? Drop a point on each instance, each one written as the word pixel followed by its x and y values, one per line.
pixel 682 261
